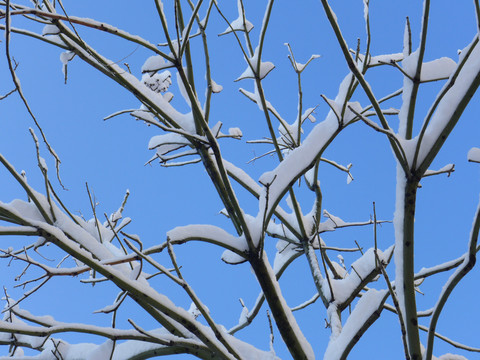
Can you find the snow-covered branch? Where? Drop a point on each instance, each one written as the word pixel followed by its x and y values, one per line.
pixel 276 227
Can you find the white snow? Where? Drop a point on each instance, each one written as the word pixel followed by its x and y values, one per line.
pixel 232 258
pixel 300 159
pixel 332 223
pixel 215 87
pixel 446 168
pixel 286 252
pixel 208 233
pixel 365 10
pixel 409 66
pixel 335 323
pixel 86 234
pixel 366 306
pixel 351 110
pixel 193 309
pixel 440 68
pixel 310 177
pixel 474 154
pixel 158 82
pixel 102 351
pixel 386 58
pixel 66 56
pixel 243 315
pixel 154 63
pixel 183 90
pixel 452 357
pixel 235 132
pixel 255 68
pixel 300 67
pixel 361 269
pixel 349 178
pixel 50 30
pixel 437 69
pixel 308 114
pixel 43 163
pixel 449 103
pixel 239 24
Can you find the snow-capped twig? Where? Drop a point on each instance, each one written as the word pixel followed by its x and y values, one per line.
pixel 447 169
pixel 18 87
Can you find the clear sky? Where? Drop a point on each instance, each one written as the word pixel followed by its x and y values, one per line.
pixel 110 156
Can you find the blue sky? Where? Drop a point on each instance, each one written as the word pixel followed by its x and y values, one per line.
pixel 110 156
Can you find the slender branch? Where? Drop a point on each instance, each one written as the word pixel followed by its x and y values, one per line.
pixel 94 25
pixel 366 87
pixel 397 306
pixel 219 334
pixel 293 337
pixel 418 69
pixel 453 281
pixel 425 162
pixel 477 13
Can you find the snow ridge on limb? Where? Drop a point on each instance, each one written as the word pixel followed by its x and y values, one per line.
pixel 96 252
pixel 334 222
pixel 366 311
pixel 363 271
pixel 239 24
pixel 256 68
pixel 236 247
pixel 137 343
pixel 437 69
pixel 449 105
pixel 156 304
pixel 302 158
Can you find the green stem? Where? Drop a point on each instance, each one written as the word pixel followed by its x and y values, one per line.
pixel 332 18
pixel 186 46
pixel 416 78
pixel 315 270
pixel 411 321
pixel 467 265
pixel 287 326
